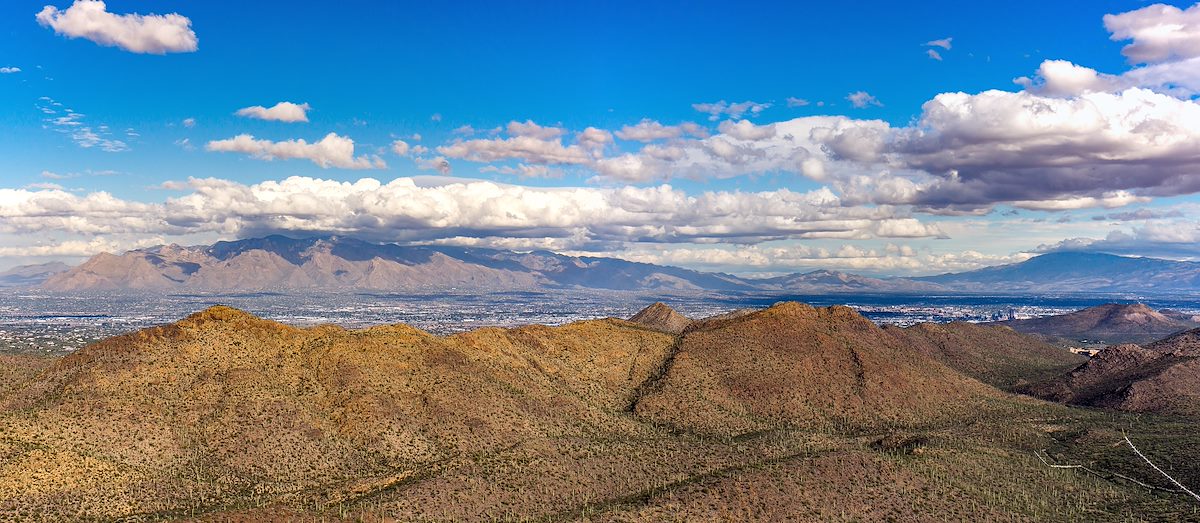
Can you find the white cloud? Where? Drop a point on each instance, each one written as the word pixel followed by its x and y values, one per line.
pixel 439 164
pixel 280 112
pixel 649 130
pixel 76 248
pixel 733 110
pixel 1108 200
pixel 1159 32
pixel 745 130
pixel 944 43
pixel 794 257
pixel 400 147
pixel 796 102
pixel 10 70
pixel 861 99
pixel 405 210
pixel 527 148
pixel 933 54
pixel 90 19
pixel 533 130
pixel 189 122
pixel 330 151
pixel 64 120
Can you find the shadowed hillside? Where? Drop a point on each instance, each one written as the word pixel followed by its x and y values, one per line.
pixel 1162 377
pixel 790 413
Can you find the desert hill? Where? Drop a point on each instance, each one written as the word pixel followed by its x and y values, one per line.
pixel 789 413
pixel 660 316
pixel 795 365
pixel 1131 378
pixel 1110 323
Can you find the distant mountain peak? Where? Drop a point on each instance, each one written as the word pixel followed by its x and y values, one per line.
pixel 1110 322
pixel 660 316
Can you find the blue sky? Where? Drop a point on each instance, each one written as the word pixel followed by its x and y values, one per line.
pixel 880 194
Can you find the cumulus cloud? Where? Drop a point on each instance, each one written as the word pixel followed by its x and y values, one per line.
pixel 1159 32
pixel 733 110
pixel 1001 146
pixel 793 257
pixel 405 210
pixel 862 99
pixel 649 130
pixel 528 142
pixel 533 130
pixel 400 147
pixel 1177 239
pixel 331 151
pixel 90 20
pixel 280 112
pixel 745 130
pixel 10 70
pixel 1107 200
pixel 76 248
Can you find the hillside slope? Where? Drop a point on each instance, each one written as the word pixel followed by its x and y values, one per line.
pixel 1162 377
pixel 996 355
pixel 798 366
pixel 1110 323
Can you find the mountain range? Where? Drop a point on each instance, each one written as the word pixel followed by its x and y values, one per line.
pixel 332 263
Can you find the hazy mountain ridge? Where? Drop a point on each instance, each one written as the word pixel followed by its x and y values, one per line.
pixel 341 263
pixel 26 275
pixel 1075 272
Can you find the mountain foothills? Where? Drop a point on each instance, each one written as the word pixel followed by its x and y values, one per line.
pixel 788 413
pixel 340 263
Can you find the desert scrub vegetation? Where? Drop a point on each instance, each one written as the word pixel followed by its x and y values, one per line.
pixel 792 413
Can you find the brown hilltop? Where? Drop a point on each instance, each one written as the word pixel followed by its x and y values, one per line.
pixel 795 365
pixel 996 355
pixel 660 316
pixel 1111 323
